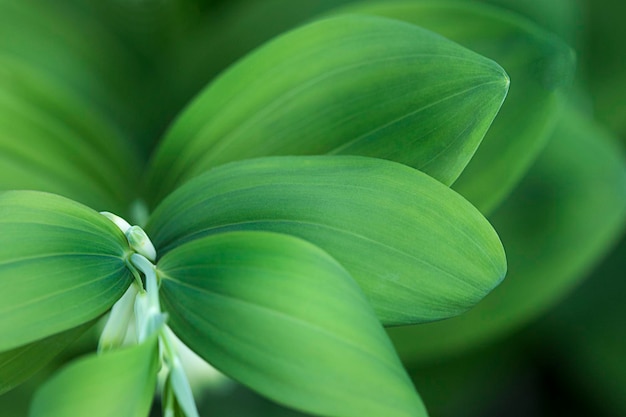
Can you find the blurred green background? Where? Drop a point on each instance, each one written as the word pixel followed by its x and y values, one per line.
pixel 551 341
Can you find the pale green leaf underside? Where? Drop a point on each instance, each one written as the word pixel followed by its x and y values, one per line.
pixel 349 85
pixel 281 316
pixel 538 64
pixel 19 364
pixel 564 216
pixel 116 384
pixel 418 249
pixel 61 265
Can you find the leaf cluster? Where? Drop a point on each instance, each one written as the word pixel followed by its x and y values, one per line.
pixel 341 177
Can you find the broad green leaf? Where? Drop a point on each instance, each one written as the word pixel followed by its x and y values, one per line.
pixel 50 140
pixel 75 48
pixel 538 64
pixel 281 316
pixel 120 383
pixel 154 31
pixel 27 85
pixel 19 364
pixel 418 249
pixel 349 85
pixel 561 220
pixel 61 265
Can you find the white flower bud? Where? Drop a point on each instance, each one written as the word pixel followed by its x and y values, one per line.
pixel 140 242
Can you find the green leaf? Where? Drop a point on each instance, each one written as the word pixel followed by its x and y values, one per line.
pixel 418 249
pixel 538 64
pixel 119 383
pixel 562 219
pixel 348 85
pixel 61 265
pixel 281 316
pixel 19 364
pixel 50 140
pixel 75 47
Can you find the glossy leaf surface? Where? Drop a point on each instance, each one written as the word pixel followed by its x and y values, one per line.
pixel 418 249
pixel 564 216
pixel 538 64
pixel 281 316
pixel 19 364
pixel 61 265
pixel 348 85
pixel 120 383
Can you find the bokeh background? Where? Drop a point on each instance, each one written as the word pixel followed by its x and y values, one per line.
pixel 550 342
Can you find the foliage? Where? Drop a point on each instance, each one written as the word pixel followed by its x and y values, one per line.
pixel 327 188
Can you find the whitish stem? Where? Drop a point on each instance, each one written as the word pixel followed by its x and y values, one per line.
pixel 149 271
pixel 179 383
pixel 148 313
pixel 122 224
pixel 149 318
pixel 169 402
pixel 116 327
